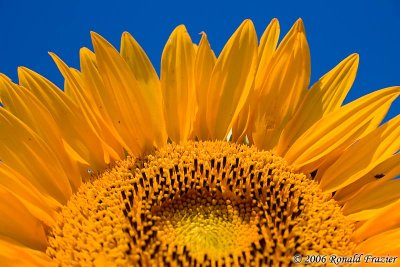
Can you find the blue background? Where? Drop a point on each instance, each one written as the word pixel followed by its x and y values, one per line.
pixel 335 29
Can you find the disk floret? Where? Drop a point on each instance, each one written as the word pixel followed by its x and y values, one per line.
pixel 198 203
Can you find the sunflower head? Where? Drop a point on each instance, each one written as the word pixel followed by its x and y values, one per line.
pixel 228 160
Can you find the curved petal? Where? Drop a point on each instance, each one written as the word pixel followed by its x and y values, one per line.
pixel 340 128
pixel 374 226
pixel 137 121
pixel 111 147
pixel 266 51
pixel 99 96
pixel 372 199
pixel 148 81
pixel 38 204
pixel 27 108
pixel 325 96
pixel 203 64
pixel 81 143
pixel 384 171
pixel 25 151
pixel 385 243
pixel 283 89
pixel 362 156
pixel 16 223
pixel 178 85
pixel 140 65
pixel 13 254
pixel 267 47
pixel 232 80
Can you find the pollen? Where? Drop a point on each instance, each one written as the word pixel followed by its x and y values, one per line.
pixel 199 204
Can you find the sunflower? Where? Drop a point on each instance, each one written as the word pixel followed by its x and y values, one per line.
pixel 222 161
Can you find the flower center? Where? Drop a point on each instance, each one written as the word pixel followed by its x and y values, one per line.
pixel 200 203
pixel 209 226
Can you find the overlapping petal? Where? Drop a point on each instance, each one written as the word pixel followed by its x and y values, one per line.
pixel 371 199
pixel 231 80
pixel 80 142
pixel 25 151
pixel 108 138
pixel 266 50
pixel 13 254
pixel 38 203
pixel 374 226
pixel 99 97
pixel 361 157
pixel 16 223
pixel 282 89
pixel 384 171
pixel 136 121
pixel 384 244
pixel 324 96
pixel 26 107
pixel 340 129
pixel 148 81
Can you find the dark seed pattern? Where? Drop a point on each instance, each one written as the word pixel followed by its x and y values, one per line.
pixel 199 204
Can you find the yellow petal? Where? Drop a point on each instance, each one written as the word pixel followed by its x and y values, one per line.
pixel 326 164
pixel 372 199
pixel 363 156
pixel 178 85
pixel 111 147
pixel 16 223
pixel 26 107
pixel 5 77
pixel 340 128
pixel 13 254
pixel 242 125
pixel 283 89
pixel 204 64
pixel 386 243
pixel 137 121
pixel 115 77
pixel 93 82
pixel 334 86
pixel 325 96
pixel 148 81
pixel 384 171
pixel 99 97
pixel 232 80
pixel 81 142
pixel 38 204
pixel 374 226
pixel 268 43
pixel 141 67
pixel 25 151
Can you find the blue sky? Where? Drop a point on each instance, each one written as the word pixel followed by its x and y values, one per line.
pixel 335 29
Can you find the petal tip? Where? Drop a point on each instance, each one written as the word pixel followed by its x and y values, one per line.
pixel 355 57
pixel 95 37
pixel 84 50
pixel 247 23
pixel 4 77
pixel 126 35
pixel 275 22
pixel 22 69
pixel 299 25
pixel 180 28
pixel 52 54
